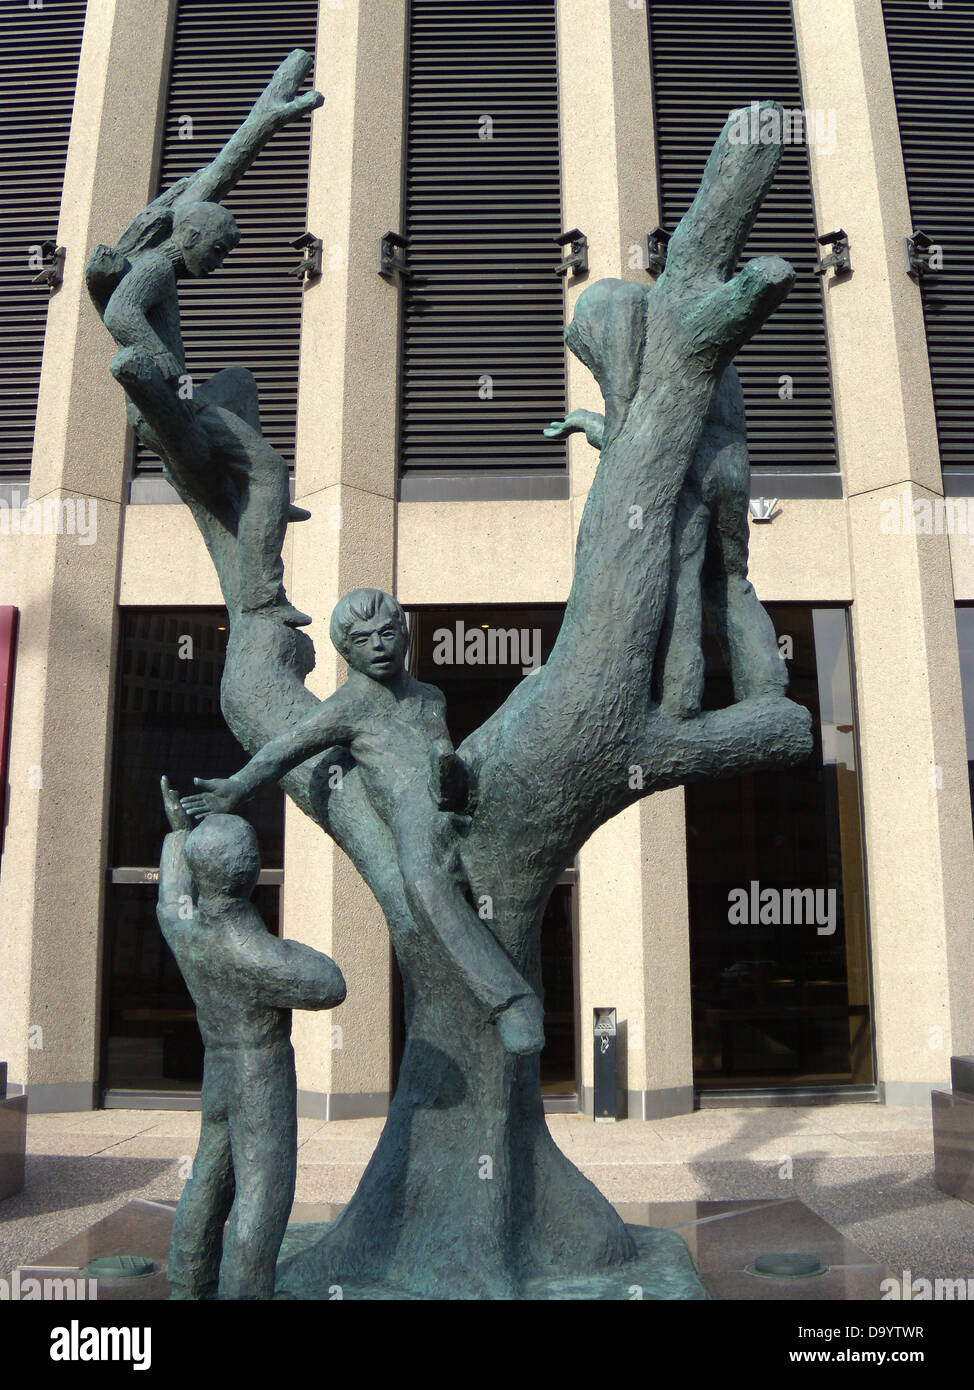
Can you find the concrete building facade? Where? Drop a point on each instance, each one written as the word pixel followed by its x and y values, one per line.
pixel 632 891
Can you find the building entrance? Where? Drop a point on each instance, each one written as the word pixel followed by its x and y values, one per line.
pixel 476 655
pixel 778 935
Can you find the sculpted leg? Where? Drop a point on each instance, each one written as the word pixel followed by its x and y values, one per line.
pixel 721 472
pixel 260 474
pixel 679 657
pixel 264 1140
pixel 233 389
pixel 746 633
pixel 434 885
pixel 161 419
pixel 197 1233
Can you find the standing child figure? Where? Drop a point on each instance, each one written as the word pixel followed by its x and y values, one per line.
pixel 244 983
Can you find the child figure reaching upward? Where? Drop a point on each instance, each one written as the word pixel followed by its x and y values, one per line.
pixel 215 434
pixel 394 727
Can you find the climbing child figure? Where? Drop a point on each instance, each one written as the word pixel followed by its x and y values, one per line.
pixel 394 728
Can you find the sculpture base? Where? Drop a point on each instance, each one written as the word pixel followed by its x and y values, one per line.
pixel 662 1270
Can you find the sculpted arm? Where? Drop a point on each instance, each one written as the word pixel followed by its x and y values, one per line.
pixel 274 108
pixel 149 280
pixel 290 975
pixel 327 726
pixel 175 879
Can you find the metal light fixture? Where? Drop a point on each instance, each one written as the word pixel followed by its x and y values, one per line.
pixel 577 261
pixel 762 508
pixel 389 262
pixel 310 267
pixel 52 257
pixel 923 255
pixel 656 244
pixel 840 261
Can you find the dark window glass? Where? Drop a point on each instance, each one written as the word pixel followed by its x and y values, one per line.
pixel 169 721
pixel 474 689
pixel 778 940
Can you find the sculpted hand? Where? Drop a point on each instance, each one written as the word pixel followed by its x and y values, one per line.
pixel 176 815
pixel 559 428
pixel 278 102
pixel 167 365
pixel 220 796
pixel 586 420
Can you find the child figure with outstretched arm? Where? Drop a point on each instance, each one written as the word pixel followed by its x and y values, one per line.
pixel 208 434
pixel 394 727
pixel 217 428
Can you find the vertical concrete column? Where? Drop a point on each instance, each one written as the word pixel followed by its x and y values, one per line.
pixel 608 169
pixel 632 891
pixel 634 953
pixel 52 884
pixel 346 477
pixel 919 858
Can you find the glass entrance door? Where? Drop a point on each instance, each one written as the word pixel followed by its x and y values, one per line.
pixel 476 655
pixel 168 721
pixel 778 932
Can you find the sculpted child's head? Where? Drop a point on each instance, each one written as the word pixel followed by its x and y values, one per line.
pixel 223 856
pixel 203 233
pixel 368 628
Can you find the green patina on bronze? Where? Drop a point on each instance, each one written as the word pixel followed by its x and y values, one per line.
pixel 663 537
pixel 244 983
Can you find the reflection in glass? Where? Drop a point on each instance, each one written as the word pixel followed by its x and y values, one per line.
pixel 168 721
pixel 474 689
pixel 779 957
pixel 153 1043
pixel 169 668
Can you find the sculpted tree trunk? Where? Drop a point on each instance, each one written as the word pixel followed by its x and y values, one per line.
pixel 466 1194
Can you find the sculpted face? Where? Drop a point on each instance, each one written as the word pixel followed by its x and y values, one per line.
pixel 205 236
pixel 376 646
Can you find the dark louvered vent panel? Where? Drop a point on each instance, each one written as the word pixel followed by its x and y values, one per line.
pixel 247 314
pixel 481 216
pixel 932 57
pixel 709 59
pixel 38 69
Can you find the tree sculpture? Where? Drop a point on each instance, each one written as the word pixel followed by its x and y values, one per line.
pixel 619 693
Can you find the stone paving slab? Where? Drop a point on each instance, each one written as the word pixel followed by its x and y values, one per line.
pixel 867 1170
pixel 690 1250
